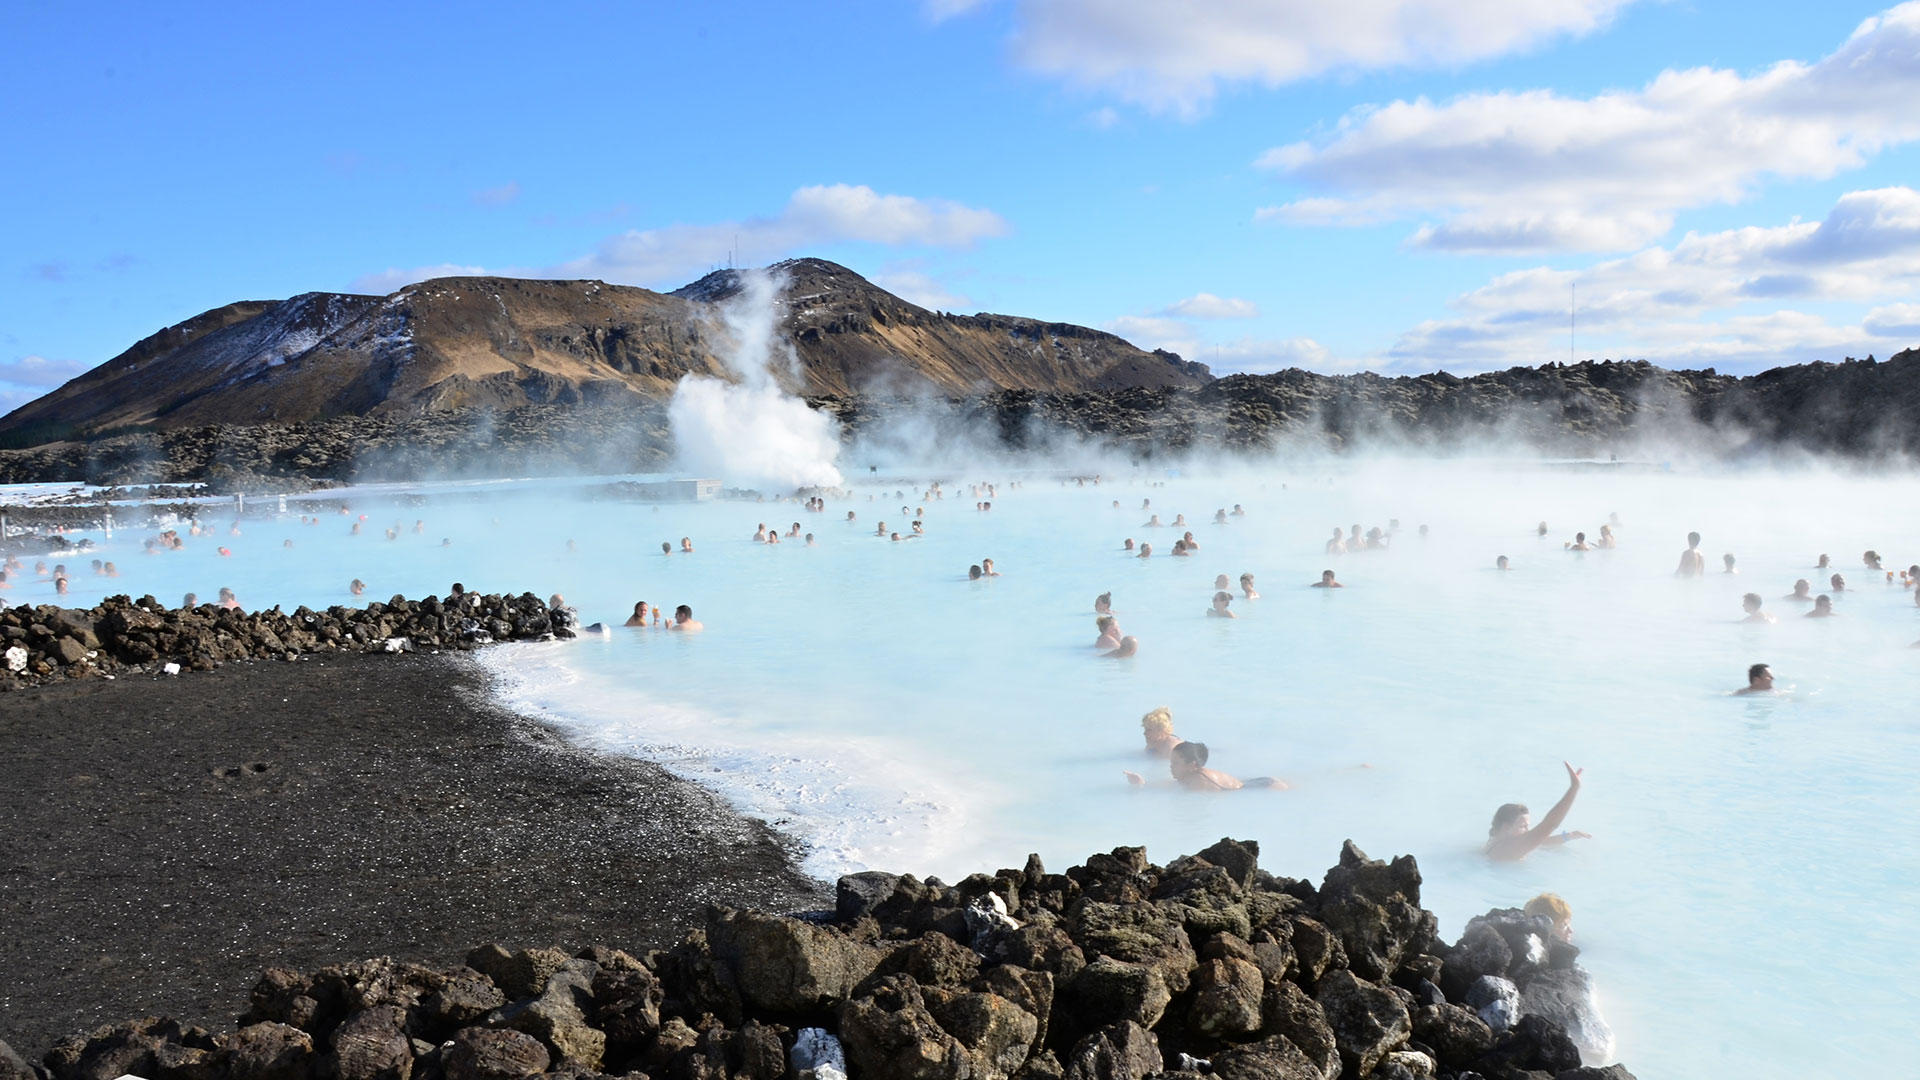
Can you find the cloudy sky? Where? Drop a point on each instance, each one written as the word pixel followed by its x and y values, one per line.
pixel 1395 185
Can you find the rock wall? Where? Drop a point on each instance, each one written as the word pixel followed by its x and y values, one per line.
pixel 127 636
pixel 1114 970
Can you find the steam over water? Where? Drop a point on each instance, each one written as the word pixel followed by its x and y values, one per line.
pixel 1745 904
pixel 752 431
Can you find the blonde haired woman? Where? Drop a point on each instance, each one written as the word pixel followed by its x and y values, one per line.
pixel 1157 726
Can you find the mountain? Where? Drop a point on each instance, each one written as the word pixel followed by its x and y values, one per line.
pixel 499 343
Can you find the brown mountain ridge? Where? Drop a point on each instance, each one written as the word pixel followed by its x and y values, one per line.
pixel 501 343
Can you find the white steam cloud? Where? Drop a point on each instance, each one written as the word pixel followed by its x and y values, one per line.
pixel 753 433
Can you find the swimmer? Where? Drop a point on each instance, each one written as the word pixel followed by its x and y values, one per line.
pixel 1838 583
pixel 446 541
pixel 1109 632
pixel 1751 604
pixel 1579 543
pixel 1692 563
pixel 1187 761
pixel 1152 522
pixel 1607 539
pixel 686 544
pixel 1511 839
pixel 1237 512
pixel 227 599
pixel 226 552
pixel 1542 529
pixel 60 584
pixel 881 530
pixel 1759 681
pixel 556 602
pixel 683 620
pixel 287 543
pixel 357 587
pixel 355 531
pixel 1146 551
pixel 1802 592
pixel 1727 561
pixel 1220 516
pixel 973 572
pixel 918 528
pixel 1823 563
pixel 1219 609
pixel 1179 521
pixel 1555 911
pixel 773 536
pixel 1246 587
pixel 109 571
pixel 1180 549
pixel 1501 563
pixel 39 569
pixel 1337 545
pixel 1219 582
pixel 896 538
pixel 1192 544
pixel 639 616
pixel 666 547
pixel 189 602
pixel 810 540
pixel 849 515
pixel 794 532
pixel 419 527
pixel 1871 560
pixel 1822 607
pixel 4 584
pixel 1157 727
pixel 1128 646
pixel 986 567
pixel 1103 604
pixel 1326 581
pixel 1128 546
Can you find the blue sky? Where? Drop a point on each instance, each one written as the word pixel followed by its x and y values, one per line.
pixel 1395 185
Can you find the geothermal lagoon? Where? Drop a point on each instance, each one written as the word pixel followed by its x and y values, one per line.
pixel 1742 897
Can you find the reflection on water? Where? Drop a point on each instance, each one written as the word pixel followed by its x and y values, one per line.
pixel 1740 905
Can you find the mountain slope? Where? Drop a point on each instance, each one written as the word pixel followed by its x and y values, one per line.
pixel 456 343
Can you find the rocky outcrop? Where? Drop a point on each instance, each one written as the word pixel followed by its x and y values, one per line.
pixel 124 636
pixel 1115 970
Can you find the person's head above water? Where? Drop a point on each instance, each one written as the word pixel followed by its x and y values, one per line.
pixel 1802 587
pixel 1555 911
pixel 1823 563
pixel 1822 605
pixel 1728 560
pixel 1510 820
pixel 1760 677
pixel 973 572
pixel 1128 646
pixel 1751 602
pixel 1187 758
pixel 1838 582
pixel 1500 563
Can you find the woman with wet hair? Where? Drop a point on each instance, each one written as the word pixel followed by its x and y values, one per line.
pixel 1513 836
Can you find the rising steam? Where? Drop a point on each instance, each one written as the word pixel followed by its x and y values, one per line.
pixel 753 433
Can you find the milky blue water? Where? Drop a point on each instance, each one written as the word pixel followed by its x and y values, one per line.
pixel 1746 898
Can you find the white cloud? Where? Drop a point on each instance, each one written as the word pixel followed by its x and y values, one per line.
pixel 1177 56
pixel 1150 332
pixel 1654 303
pixel 498 196
pixel 813 216
pixel 1248 354
pixel 30 377
pixel 1535 171
pixel 1209 306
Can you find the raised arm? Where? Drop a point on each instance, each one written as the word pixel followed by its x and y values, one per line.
pixel 1517 847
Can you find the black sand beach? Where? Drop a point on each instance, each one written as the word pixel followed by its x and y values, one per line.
pixel 162 841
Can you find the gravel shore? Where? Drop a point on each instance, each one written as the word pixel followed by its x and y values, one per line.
pixel 165 840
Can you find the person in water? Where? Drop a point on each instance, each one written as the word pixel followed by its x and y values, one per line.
pixel 1692 563
pixel 1607 539
pixel 1579 543
pixel 986 567
pixel 1180 549
pixel 1727 561
pixel 1802 591
pixel 639 616
pixel 1128 546
pixel 1838 583
pixel 1219 609
pixel 1822 607
pixel 1157 728
pixel 1501 563
pixel 686 544
pixel 1192 544
pixel 1146 551
pixel 1152 522
pixel 1871 560
pixel 1246 587
pixel 666 548
pixel 1751 604
pixel 1759 681
pixel 189 602
pixel 1187 761
pixel 227 599
pixel 357 587
pixel 1103 604
pixel 1512 836
pixel 1823 563
pixel 1542 529
pixel 1128 646
pixel 1109 632
pixel 1326 581
pixel 683 620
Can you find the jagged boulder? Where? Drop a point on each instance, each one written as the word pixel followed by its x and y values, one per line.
pixel 483 1054
pixel 1368 1021
pixel 1374 909
pixel 1122 1051
pixel 785 965
pixel 888 1031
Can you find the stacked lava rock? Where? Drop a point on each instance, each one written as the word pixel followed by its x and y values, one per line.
pixel 123 635
pixel 1115 970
